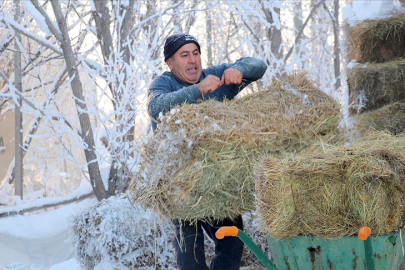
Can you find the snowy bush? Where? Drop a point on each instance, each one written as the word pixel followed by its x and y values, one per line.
pixel 118 235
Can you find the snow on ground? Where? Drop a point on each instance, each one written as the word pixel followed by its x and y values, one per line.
pixel 40 241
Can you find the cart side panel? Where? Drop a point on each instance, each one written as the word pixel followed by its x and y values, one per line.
pixel 311 252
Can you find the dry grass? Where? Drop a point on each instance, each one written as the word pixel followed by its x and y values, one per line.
pixel 390 118
pixel 376 85
pixel 335 192
pixel 378 40
pixel 198 165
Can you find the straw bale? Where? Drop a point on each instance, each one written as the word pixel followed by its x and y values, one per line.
pixel 379 40
pixel 198 165
pixel 390 118
pixel 333 193
pixel 374 85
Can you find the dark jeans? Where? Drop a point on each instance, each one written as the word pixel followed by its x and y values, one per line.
pixel 189 245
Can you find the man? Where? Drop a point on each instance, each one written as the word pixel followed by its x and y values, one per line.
pixel 188 82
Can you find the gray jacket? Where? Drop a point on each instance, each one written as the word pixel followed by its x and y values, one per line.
pixel 166 91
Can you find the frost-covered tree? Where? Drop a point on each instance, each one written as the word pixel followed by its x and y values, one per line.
pixel 109 51
pixel 97 57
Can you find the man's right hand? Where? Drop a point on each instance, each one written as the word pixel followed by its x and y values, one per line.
pixel 209 84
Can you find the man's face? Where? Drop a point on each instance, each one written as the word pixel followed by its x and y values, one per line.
pixel 186 64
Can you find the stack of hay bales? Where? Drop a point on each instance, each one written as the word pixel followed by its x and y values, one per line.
pixel 199 163
pixel 377 83
pixel 333 193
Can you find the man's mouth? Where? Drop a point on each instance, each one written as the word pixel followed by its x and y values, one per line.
pixel 192 69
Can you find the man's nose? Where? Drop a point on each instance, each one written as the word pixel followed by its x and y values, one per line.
pixel 192 58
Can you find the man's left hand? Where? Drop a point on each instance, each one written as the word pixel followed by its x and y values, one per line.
pixel 232 76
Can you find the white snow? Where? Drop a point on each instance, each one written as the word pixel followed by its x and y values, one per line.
pixel 370 9
pixel 40 20
pixel 39 241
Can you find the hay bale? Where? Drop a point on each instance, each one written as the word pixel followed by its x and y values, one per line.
pixel 334 193
pixel 198 165
pixel 374 85
pixel 377 40
pixel 390 118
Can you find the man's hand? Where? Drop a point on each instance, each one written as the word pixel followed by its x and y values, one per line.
pixel 231 76
pixel 209 84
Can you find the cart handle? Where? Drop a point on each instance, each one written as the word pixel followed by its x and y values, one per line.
pixel 364 233
pixel 234 231
pixel 226 231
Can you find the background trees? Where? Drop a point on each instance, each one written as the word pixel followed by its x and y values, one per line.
pixel 86 66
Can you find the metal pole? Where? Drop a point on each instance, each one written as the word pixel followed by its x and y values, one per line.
pixel 368 250
pixel 18 167
pixel 256 250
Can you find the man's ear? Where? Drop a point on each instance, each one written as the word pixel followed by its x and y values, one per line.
pixel 169 62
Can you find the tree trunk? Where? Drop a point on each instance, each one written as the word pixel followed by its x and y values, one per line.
pixel 209 34
pixel 274 36
pixel 336 62
pixel 298 24
pixel 18 168
pixel 301 32
pixel 84 119
pixel 102 20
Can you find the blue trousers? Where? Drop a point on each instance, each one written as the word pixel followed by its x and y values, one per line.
pixel 189 245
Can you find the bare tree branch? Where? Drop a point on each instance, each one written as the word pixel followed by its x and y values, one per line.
pixel 6 41
pixel 314 8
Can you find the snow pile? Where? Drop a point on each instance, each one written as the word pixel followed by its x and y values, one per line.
pixel 370 9
pixel 39 240
pixel 118 235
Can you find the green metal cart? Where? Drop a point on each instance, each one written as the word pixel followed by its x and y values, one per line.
pixel 310 252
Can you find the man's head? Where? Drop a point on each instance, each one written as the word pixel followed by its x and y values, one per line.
pixel 182 55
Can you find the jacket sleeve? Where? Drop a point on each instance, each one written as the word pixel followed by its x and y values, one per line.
pixel 162 98
pixel 252 69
